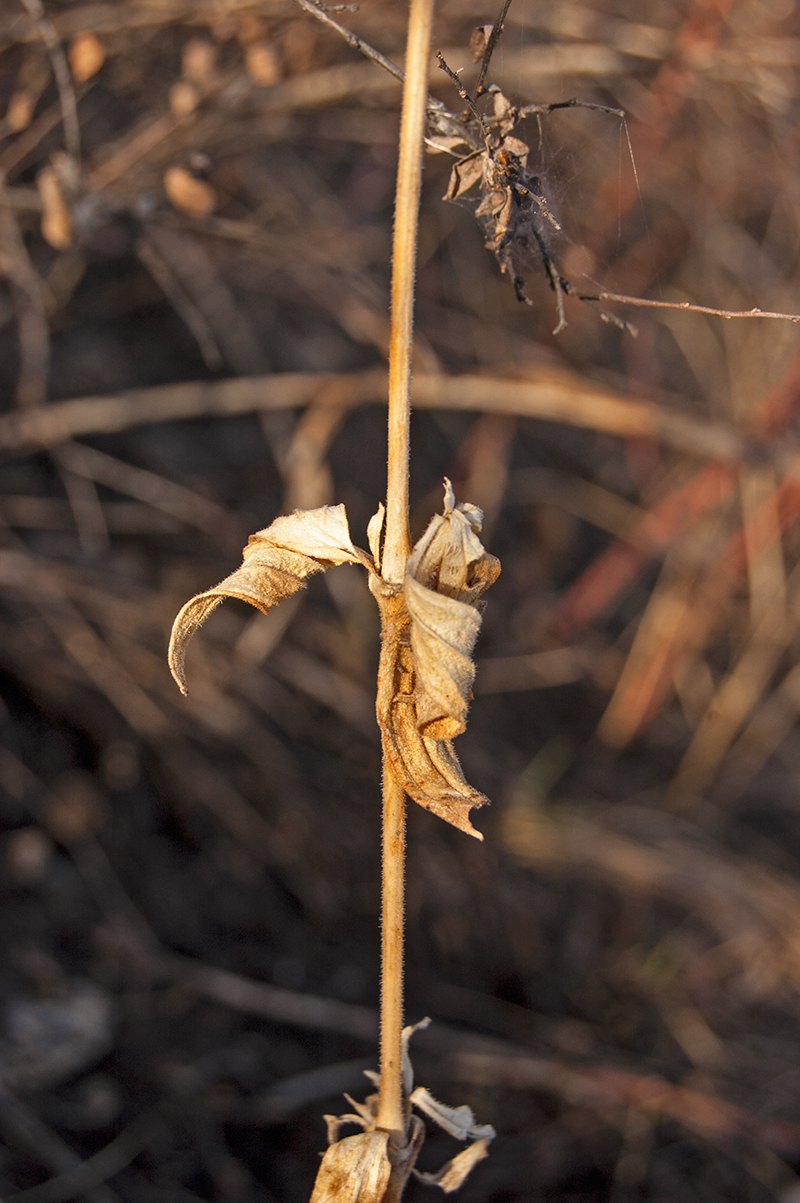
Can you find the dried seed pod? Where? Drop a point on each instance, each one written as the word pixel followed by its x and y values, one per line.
pixel 86 56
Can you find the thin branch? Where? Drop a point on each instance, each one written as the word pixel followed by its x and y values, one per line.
pixel 352 39
pixel 439 116
pixel 462 91
pixel 66 92
pixel 494 37
pixel 687 305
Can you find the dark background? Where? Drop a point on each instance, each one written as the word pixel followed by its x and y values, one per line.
pixel 614 973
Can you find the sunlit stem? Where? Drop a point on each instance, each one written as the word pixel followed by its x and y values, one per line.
pixel 396 545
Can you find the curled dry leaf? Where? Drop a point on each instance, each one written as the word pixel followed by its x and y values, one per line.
pixel 456 1121
pixel 425 682
pixel 454 1172
pixel 277 562
pixel 374 531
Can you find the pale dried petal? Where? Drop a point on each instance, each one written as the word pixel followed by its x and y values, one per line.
pixel 374 529
pixel 354 1170
pixel 454 1172
pixel 277 562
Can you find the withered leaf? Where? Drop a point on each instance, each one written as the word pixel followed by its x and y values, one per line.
pixel 374 531
pixel 447 572
pixel 429 634
pixel 457 1121
pixel 277 562
pixel 453 1174
pixel 477 41
pixel 354 1170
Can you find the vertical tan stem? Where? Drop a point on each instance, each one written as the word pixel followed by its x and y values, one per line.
pixel 404 254
pixel 396 543
pixel 390 1102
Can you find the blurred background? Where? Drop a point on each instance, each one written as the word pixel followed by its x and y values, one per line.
pixel 195 223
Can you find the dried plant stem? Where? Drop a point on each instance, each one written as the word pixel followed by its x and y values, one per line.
pixel 390 1102
pixel 396 545
pixel 404 253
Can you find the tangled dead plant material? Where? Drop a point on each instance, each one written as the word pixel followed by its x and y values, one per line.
pixel 492 178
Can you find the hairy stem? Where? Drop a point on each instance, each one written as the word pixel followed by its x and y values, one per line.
pixel 391 1114
pixel 404 254
pixel 390 1102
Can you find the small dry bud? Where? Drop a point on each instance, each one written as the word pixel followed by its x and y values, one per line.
pixel 86 56
pixel 183 98
pixel 198 60
pixel 56 218
pixel 261 63
pixel 188 193
pixel 20 111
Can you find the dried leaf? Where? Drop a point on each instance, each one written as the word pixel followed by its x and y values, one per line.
pixel 456 1121
pixel 427 671
pixel 477 41
pixel 405 1037
pixel 446 574
pixel 465 175
pixel 454 1172
pixel 374 530
pixel 277 562
pixel 354 1170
